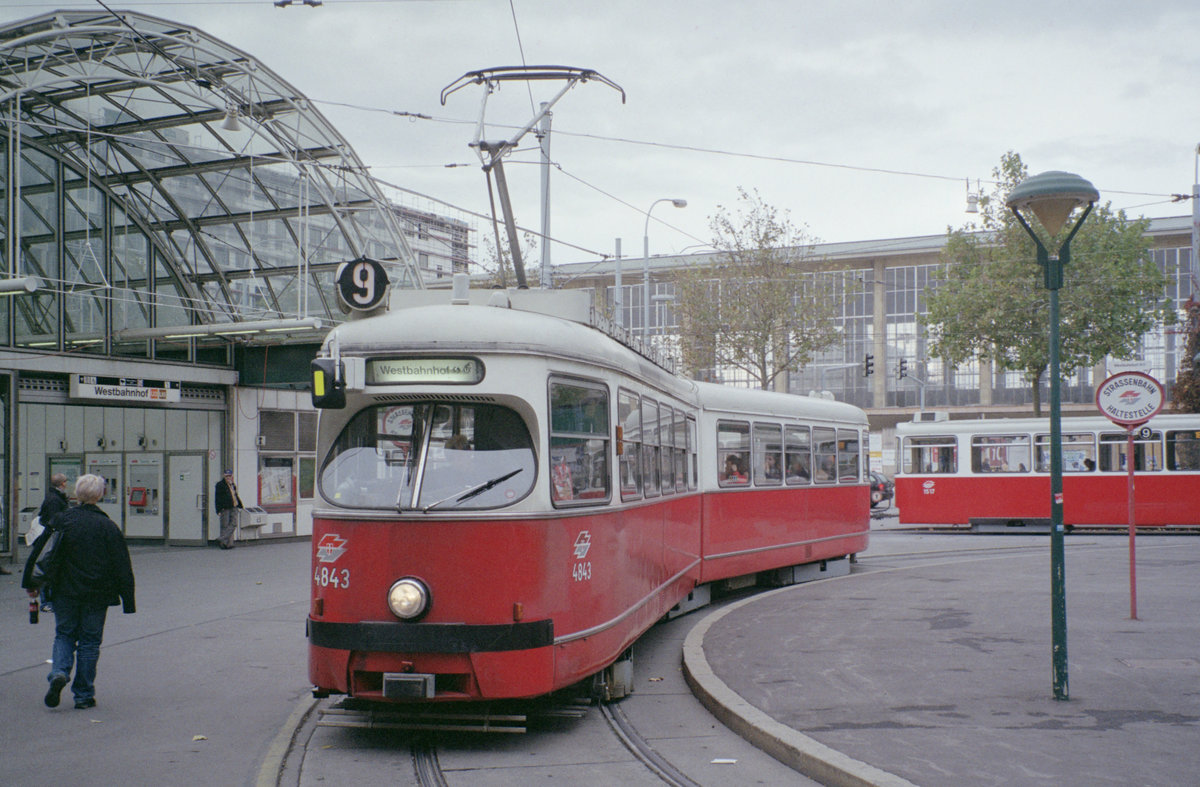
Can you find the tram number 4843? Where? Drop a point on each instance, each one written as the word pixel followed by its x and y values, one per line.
pixel 331 577
pixel 582 572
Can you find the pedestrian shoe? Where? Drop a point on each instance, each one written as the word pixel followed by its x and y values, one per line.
pixel 85 704
pixel 47 608
pixel 57 683
pixel 4 570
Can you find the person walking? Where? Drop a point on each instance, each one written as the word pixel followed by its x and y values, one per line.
pixel 55 501
pixel 91 572
pixel 227 503
pixel 53 504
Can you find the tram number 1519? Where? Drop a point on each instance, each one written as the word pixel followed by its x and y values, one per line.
pixel 331 577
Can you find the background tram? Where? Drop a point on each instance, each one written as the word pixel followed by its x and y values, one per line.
pixel 509 499
pixel 996 473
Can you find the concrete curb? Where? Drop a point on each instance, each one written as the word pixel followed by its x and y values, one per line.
pixel 272 767
pixel 792 748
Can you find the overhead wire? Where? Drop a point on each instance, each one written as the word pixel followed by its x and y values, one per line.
pixel 674 146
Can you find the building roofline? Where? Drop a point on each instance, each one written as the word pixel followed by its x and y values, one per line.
pixel 840 251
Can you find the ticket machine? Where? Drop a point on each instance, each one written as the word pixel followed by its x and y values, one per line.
pixel 108 467
pixel 143 496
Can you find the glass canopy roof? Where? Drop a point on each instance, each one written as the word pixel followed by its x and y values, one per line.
pixel 155 176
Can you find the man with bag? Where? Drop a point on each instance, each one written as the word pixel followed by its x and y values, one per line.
pixel 55 502
pixel 90 571
pixel 53 505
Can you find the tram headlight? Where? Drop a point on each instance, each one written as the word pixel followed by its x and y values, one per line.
pixel 408 598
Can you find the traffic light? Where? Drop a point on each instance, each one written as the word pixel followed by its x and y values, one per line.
pixel 868 365
pixel 902 369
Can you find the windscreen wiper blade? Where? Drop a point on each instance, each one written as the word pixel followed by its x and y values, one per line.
pixel 460 497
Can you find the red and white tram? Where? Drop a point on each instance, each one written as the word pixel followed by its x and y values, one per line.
pixel 997 472
pixel 509 499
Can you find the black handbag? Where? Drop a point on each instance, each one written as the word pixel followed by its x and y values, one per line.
pixel 46 565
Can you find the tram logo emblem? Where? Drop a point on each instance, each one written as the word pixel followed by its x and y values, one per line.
pixel 331 547
pixel 929 487
pixel 583 542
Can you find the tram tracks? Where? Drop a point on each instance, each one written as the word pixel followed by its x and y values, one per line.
pixel 427 766
pixel 641 749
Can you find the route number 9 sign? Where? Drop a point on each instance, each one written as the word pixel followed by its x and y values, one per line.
pixel 361 283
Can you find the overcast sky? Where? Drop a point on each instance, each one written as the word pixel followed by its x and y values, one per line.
pixel 864 120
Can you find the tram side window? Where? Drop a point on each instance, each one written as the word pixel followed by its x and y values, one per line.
pixel 1078 453
pixel 1147 451
pixel 1002 453
pixel 651 468
pixel 629 411
pixel 1183 450
pixel 768 455
pixel 825 458
pixel 579 439
pixel 848 457
pixel 693 458
pixel 666 441
pixel 681 452
pixel 797 455
pixel 928 455
pixel 733 453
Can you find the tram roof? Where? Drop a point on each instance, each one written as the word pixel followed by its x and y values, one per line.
pixel 467 328
pixel 248 197
pixel 771 403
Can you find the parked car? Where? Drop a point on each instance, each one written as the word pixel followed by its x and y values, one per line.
pixel 882 488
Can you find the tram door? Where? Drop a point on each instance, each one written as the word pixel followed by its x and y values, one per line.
pixel 143 496
pixel 186 501
pixel 108 467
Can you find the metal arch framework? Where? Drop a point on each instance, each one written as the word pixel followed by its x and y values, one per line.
pixel 176 178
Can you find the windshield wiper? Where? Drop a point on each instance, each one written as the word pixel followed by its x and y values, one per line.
pixel 460 497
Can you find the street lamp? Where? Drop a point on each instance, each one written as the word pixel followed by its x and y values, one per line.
pixel 1053 197
pixel 679 203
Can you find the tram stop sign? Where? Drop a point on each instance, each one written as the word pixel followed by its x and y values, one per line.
pixel 1130 398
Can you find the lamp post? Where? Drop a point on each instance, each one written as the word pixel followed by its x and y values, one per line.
pixel 1053 197
pixel 679 203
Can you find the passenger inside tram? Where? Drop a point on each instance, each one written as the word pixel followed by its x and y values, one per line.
pixel 797 471
pixel 735 469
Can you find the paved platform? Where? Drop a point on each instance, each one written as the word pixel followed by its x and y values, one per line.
pixel 193 689
pixel 933 667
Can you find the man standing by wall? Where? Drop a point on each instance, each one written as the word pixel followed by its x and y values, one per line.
pixel 227 502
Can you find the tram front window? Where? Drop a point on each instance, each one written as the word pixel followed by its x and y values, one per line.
pixel 430 457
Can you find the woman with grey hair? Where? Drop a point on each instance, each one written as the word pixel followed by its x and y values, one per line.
pixel 91 573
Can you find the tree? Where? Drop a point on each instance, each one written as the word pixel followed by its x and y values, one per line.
pixel 500 266
pixel 989 302
pixel 1185 397
pixel 758 308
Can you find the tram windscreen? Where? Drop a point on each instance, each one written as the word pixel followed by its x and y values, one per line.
pixel 430 457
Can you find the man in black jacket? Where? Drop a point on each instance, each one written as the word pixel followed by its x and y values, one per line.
pixel 55 501
pixel 91 572
pixel 54 504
